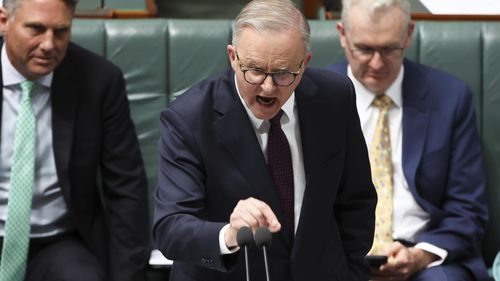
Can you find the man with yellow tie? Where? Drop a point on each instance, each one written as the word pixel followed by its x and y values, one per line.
pixel 420 127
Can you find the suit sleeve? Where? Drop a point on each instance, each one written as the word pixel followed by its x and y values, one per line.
pixel 355 206
pixel 124 187
pixel 464 209
pixel 180 232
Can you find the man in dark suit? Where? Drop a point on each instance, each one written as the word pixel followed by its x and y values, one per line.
pixel 88 208
pixel 218 158
pixel 438 198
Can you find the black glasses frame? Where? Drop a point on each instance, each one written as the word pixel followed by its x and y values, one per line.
pixel 273 74
pixel 367 53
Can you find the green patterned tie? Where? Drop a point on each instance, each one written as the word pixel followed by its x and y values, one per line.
pixel 17 226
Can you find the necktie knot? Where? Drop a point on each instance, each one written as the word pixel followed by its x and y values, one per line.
pixel 382 102
pixel 276 120
pixel 27 87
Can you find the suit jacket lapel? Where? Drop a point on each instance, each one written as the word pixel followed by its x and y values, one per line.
pixel 416 118
pixel 64 94
pixel 236 133
pixel 318 144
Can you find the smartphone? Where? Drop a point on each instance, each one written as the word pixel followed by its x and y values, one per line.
pixel 376 261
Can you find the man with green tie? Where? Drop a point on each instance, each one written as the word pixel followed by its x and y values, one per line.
pixel 64 121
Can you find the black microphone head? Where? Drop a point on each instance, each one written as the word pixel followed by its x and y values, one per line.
pixel 244 237
pixel 263 237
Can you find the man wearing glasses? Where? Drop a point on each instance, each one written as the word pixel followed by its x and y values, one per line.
pixel 431 209
pixel 270 144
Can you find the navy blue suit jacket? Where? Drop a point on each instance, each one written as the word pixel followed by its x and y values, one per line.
pixel 442 161
pixel 210 159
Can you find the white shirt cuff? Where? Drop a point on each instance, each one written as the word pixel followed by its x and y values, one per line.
pixel 441 253
pixel 224 250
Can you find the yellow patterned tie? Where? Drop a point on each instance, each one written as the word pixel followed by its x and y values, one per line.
pixel 381 166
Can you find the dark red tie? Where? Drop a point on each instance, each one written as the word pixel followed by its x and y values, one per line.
pixel 279 159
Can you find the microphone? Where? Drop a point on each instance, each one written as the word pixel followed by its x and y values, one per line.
pixel 244 238
pixel 263 239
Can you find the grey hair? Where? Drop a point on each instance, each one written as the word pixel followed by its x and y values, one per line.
pixel 271 15
pixel 375 7
pixel 13 5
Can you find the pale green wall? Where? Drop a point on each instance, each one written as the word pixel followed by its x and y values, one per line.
pixel 88 4
pixel 126 4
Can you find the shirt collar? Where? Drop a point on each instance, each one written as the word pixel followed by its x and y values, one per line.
pixel 365 97
pixel 260 124
pixel 10 75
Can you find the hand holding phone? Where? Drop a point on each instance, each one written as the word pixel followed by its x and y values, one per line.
pixel 376 261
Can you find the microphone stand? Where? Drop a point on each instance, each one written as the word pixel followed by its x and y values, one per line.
pixel 244 238
pixel 247 271
pixel 263 239
pixel 265 262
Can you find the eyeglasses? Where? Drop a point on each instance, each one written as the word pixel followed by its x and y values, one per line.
pixel 257 76
pixel 366 53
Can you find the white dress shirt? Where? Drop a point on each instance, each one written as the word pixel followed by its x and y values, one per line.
pixel 409 219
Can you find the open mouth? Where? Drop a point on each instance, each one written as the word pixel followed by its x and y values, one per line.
pixel 265 101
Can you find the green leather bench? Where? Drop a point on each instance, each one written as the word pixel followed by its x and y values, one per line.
pixel 160 58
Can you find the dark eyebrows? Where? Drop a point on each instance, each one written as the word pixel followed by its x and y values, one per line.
pixel 39 26
pixel 364 46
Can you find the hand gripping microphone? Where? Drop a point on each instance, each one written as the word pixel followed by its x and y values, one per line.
pixel 263 239
pixel 244 238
